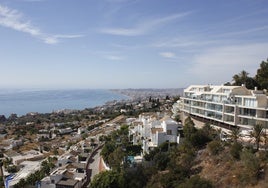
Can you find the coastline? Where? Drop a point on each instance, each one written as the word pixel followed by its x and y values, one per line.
pixel 49 101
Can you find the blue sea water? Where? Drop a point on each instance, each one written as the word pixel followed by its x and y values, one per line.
pixel 21 102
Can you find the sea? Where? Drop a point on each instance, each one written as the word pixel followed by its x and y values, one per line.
pixel 21 102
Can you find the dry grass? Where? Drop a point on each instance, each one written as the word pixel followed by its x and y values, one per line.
pixel 223 171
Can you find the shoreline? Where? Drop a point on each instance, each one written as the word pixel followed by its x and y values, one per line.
pixel 112 95
pixel 51 101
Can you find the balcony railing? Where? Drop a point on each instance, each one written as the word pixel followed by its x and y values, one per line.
pixel 225 101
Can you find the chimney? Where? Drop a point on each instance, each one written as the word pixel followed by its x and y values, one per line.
pixel 243 85
pixel 255 88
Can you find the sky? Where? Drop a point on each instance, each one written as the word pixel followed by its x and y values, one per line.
pixel 104 44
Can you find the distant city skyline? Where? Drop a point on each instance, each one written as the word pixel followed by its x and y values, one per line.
pixel 104 44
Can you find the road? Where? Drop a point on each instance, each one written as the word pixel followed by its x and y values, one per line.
pixel 94 164
pixel 92 167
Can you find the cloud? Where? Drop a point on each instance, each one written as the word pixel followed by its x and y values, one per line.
pixel 185 42
pixel 114 58
pixel 123 31
pixel 13 19
pixel 143 27
pixel 68 36
pixel 54 39
pixel 247 31
pixel 221 63
pixel 167 55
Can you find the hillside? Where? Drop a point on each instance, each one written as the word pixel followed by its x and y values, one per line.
pixel 201 160
pixel 225 171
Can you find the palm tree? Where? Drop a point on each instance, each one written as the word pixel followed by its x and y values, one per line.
pixel 264 134
pixel 243 76
pixel 235 135
pixel 256 133
pixel 236 79
pixel 240 78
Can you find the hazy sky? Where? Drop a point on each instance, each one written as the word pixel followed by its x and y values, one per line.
pixel 129 43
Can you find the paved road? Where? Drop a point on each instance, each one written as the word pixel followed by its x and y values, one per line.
pixel 94 165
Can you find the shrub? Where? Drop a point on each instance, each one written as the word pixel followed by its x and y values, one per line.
pixel 236 149
pixel 161 160
pixel 215 147
pixel 251 169
pixel 196 182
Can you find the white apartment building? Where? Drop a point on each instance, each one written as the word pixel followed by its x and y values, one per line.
pixel 151 132
pixel 226 105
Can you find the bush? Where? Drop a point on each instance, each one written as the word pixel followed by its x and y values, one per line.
pixel 251 169
pixel 215 147
pixel 161 160
pixel 236 149
pixel 196 182
pixel 12 169
pixel 107 179
pixel 199 139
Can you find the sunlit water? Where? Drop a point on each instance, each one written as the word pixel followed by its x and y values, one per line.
pixel 22 102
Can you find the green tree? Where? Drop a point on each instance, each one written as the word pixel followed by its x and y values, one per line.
pixel 188 128
pixel 262 75
pixel 235 150
pixel 115 159
pixel 107 149
pixel 161 160
pixel 235 135
pixel 215 147
pixel 21 184
pixel 199 139
pixel 12 169
pixel 256 133
pixel 31 179
pixel 45 167
pixel 243 78
pixel 107 179
pixel 139 177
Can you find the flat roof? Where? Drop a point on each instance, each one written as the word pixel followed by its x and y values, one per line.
pixel 29 167
pixel 70 182
pixel 79 165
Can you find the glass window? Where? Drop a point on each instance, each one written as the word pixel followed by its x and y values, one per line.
pixel 238 100
pixel 251 102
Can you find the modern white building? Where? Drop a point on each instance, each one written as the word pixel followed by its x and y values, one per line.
pixel 152 132
pixel 226 105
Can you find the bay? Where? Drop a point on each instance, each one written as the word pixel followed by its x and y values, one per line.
pixel 22 102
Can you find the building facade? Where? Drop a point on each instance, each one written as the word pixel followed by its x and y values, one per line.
pixel 151 132
pixel 226 105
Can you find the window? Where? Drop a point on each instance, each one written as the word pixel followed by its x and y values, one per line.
pixel 238 100
pixel 247 111
pixel 251 102
pixel 169 132
pixel 216 98
pixel 226 90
